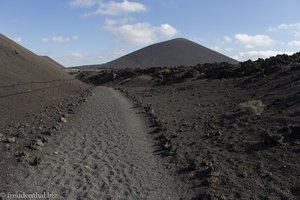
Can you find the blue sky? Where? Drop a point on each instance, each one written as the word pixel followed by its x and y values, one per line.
pixel 77 32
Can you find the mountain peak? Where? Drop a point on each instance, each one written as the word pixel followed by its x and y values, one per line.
pixel 171 53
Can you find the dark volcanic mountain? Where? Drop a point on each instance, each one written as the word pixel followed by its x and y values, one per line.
pixel 22 71
pixel 53 62
pixel 19 65
pixel 170 53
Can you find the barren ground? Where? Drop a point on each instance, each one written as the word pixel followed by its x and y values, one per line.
pixel 104 151
pixel 232 132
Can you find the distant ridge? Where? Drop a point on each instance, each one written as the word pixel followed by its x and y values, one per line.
pixel 53 62
pixel 170 53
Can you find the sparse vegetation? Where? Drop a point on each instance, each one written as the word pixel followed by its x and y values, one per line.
pixel 255 107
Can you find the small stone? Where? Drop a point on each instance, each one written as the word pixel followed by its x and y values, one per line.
pixel 33 145
pixel 21 156
pixel 195 127
pixel 269 174
pixel 11 140
pixel 46 133
pixel 192 165
pixel 180 130
pixel 39 142
pixel 168 145
pixel 63 119
pixel 152 111
pixel 7 146
pixel 205 182
pixel 272 139
pixel 219 133
pixel 55 152
pixel 33 161
pixel 243 175
pixel 295 132
pixel 214 174
pixel 57 126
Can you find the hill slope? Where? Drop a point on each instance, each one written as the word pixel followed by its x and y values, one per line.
pixel 28 82
pixel 18 65
pixel 53 62
pixel 174 52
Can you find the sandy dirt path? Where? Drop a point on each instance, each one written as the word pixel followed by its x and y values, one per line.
pixel 104 151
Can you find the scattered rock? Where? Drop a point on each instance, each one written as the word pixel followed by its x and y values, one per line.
pixel 152 111
pixel 205 196
pixel 219 133
pixel 33 161
pixel 7 147
pixel 243 175
pixel 39 142
pixel 21 156
pixel 36 144
pixel 295 132
pixel 10 140
pixel 47 133
pixel 168 145
pixel 272 139
pixel 195 127
pixel 1 137
pixel 63 119
pixel 57 126
pixel 191 165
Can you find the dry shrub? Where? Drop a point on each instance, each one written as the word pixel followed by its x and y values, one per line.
pixel 254 107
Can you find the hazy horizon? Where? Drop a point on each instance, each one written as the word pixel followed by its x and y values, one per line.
pixel 82 32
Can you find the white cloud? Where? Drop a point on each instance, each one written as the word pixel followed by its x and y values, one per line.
pixel 111 55
pixel 140 33
pixel 253 55
pixel 109 23
pixel 296 33
pixel 119 8
pixel 286 26
pixel 255 40
pixel 60 39
pixel 79 59
pixel 294 43
pixel 17 40
pixel 44 40
pixel 249 46
pixel 83 3
pixel 77 55
pixel 222 49
pixel 228 49
pixel 227 39
pixel 216 48
pixel 136 34
pixel 293 28
pixel 76 59
pixel 167 30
